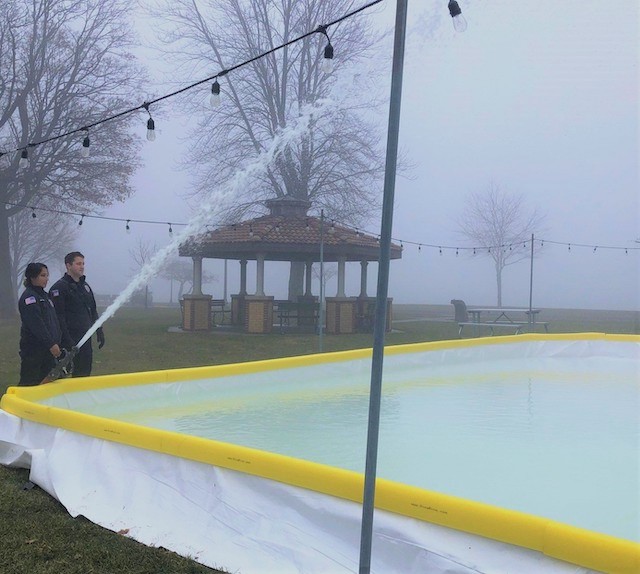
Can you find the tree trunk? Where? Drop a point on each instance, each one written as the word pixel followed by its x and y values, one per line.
pixel 499 282
pixel 7 295
pixel 296 280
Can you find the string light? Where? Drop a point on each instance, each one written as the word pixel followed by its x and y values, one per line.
pixel 151 125
pixel 86 142
pixel 33 213
pixel 81 219
pixel 214 99
pixel 459 22
pixel 24 159
pixel 327 63
pixel 170 228
pixel 128 227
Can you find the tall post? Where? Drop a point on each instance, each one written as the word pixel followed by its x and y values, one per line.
pixel 224 295
pixel 531 285
pixel 321 310
pixel 383 285
pixel 197 276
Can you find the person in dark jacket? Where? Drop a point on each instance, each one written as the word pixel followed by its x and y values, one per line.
pixel 40 334
pixel 76 307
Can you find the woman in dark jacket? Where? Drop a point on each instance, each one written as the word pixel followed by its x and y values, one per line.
pixel 40 333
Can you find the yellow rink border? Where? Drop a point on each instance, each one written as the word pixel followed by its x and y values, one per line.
pixel 561 541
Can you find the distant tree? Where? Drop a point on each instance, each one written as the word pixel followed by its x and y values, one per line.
pixel 180 270
pixel 64 64
pixel 338 168
pixel 502 223
pixel 329 271
pixel 47 238
pixel 142 254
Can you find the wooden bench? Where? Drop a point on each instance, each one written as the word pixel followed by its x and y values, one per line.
pixel 493 325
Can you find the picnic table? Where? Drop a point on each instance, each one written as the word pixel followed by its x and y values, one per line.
pixel 507 317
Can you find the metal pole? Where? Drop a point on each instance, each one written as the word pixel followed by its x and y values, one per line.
pixel 321 310
pixel 531 286
pixel 224 296
pixel 383 284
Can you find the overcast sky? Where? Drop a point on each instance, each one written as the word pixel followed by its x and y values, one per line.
pixel 539 97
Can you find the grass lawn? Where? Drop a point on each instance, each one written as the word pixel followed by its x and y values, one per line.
pixel 39 537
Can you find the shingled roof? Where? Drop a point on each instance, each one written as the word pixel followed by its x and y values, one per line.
pixel 286 235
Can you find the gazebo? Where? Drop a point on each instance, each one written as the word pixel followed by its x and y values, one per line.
pixel 287 233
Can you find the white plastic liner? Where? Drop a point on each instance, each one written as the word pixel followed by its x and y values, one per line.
pixel 247 524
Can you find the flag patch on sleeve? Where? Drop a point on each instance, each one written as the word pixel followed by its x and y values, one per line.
pixel 30 300
pixel 55 293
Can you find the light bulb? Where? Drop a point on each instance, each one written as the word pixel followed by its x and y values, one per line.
pixel 459 23
pixel 128 228
pixel 214 100
pixel 84 152
pixel 327 64
pixel 151 130
pixel 24 159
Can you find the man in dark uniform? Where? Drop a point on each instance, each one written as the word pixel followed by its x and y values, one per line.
pixel 76 308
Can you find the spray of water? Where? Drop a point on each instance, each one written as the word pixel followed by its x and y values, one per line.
pixel 321 110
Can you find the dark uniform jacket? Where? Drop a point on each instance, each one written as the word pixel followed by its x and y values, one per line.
pixel 76 308
pixel 40 328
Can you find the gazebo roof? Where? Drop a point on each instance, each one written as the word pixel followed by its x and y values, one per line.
pixel 281 237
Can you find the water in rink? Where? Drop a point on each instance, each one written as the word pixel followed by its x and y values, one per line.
pixel 554 437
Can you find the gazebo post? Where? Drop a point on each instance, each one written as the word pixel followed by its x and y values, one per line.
pixel 197 276
pixel 260 275
pixel 243 277
pixel 258 308
pixel 196 307
pixel 341 268
pixel 307 279
pixel 363 278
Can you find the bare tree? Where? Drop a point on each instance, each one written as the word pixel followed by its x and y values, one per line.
pixel 329 271
pixel 142 254
pixel 501 224
pixel 337 168
pixel 46 237
pixel 181 271
pixel 64 64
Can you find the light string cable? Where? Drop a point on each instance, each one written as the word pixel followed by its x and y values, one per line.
pixel 321 29
pixel 441 247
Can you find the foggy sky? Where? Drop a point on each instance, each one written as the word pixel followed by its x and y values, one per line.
pixel 536 97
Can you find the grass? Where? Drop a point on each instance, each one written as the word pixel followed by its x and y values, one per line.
pixel 39 537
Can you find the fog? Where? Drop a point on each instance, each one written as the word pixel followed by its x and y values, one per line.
pixel 538 98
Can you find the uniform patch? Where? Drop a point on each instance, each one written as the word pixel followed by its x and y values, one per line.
pixel 55 292
pixel 87 288
pixel 30 300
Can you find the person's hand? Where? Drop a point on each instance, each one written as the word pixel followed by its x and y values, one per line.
pixel 55 350
pixel 100 334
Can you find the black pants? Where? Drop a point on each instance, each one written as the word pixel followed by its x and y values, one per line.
pixel 35 366
pixel 82 361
